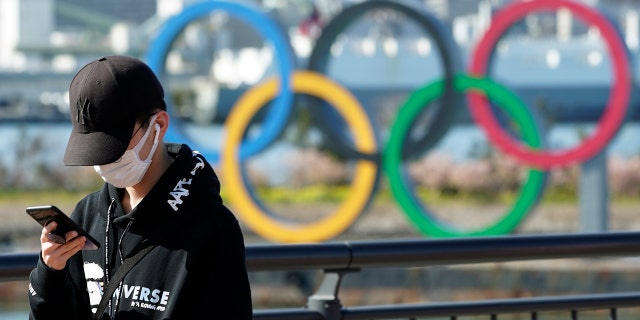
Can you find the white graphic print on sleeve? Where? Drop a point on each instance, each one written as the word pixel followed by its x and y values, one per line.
pixel 181 188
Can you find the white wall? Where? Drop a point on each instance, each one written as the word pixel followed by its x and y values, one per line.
pixel 25 24
pixel 8 27
pixel 167 8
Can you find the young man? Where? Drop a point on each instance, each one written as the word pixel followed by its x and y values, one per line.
pixel 158 197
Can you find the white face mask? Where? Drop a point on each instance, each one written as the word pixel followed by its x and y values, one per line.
pixel 129 169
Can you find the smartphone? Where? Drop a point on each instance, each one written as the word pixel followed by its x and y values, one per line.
pixel 46 214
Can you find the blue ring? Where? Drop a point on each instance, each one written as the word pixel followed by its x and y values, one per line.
pixel 278 115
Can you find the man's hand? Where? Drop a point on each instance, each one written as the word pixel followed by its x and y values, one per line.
pixel 54 254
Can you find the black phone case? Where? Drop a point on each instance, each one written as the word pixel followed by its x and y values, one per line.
pixel 46 214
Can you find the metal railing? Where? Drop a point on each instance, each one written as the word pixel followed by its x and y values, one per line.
pixel 337 259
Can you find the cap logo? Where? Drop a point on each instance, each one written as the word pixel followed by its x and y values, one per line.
pixel 83 111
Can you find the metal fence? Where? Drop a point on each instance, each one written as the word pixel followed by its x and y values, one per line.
pixel 337 259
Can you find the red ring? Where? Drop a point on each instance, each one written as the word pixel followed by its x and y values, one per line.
pixel 612 116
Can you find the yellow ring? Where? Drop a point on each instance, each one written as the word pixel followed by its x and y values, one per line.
pixel 364 179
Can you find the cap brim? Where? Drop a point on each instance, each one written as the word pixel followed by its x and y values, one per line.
pixel 95 148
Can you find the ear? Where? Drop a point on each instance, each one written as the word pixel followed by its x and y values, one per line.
pixel 162 119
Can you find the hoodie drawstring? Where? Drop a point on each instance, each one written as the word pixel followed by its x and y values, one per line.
pixel 112 206
pixel 106 248
pixel 115 307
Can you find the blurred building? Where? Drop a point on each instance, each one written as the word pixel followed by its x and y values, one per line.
pixel 54 35
pixel 46 40
pixel 42 35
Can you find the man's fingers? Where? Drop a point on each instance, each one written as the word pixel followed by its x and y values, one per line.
pixel 51 226
pixel 55 238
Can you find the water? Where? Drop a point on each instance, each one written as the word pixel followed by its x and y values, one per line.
pixel 14 310
pixel 14 315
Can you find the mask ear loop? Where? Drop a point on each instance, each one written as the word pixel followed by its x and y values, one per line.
pixel 157 127
pixel 138 147
pixel 155 143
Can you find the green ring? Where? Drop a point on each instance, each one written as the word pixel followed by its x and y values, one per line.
pixel 412 207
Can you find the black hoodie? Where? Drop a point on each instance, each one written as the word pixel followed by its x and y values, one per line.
pixel 196 270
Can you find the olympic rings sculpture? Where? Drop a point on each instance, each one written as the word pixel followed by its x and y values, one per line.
pixel 363 144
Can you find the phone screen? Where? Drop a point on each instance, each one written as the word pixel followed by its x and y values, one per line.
pixel 45 214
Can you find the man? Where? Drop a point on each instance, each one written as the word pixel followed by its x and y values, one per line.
pixel 159 202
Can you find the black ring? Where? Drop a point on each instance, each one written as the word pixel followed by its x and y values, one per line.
pixel 450 103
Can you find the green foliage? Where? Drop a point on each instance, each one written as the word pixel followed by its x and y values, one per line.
pixel 450 194
pixel 58 196
pixel 337 194
pixel 310 194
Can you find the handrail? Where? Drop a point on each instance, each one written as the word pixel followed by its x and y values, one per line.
pixel 339 258
pixel 573 303
pixel 16 266
pixel 405 253
pixel 431 252
pixel 495 306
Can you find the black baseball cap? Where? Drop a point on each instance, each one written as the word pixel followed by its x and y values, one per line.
pixel 106 97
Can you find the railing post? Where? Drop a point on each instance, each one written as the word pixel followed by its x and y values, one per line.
pixel 325 301
pixel 594 194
